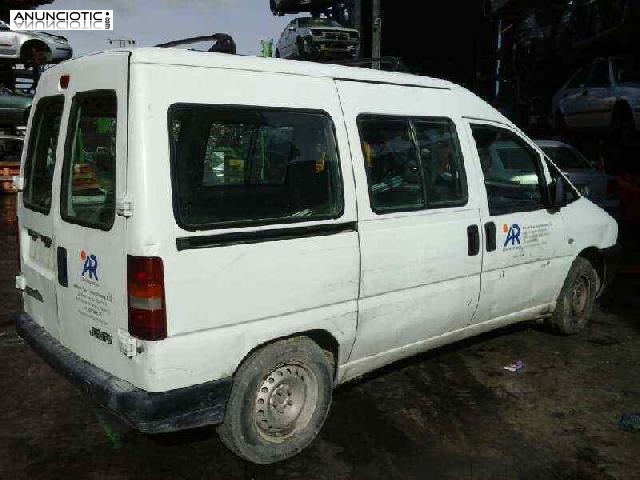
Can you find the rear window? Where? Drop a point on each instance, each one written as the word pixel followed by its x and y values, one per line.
pixel 41 157
pixel 89 170
pixel 234 166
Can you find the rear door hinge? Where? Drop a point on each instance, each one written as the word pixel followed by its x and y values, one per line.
pixel 21 282
pixel 124 206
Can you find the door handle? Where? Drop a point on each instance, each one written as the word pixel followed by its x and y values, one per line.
pixel 490 236
pixel 473 236
pixel 63 277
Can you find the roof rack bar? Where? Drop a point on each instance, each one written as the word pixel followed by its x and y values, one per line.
pixel 202 38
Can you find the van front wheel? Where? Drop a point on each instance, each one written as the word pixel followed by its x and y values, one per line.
pixel 575 302
pixel 279 400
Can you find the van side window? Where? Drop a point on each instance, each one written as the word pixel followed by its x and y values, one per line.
pixel 512 171
pixel 441 159
pixel 412 164
pixel 41 156
pixel 235 166
pixel 89 169
pixel 556 176
pixel 392 164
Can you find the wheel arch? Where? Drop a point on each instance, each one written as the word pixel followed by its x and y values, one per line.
pixel 323 338
pixel 33 43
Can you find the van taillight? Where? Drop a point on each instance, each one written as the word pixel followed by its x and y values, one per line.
pixel 147 314
pixel 64 81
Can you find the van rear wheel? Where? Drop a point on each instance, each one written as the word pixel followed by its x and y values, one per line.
pixel 575 302
pixel 279 400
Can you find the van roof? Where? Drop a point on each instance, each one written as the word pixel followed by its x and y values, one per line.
pixel 177 56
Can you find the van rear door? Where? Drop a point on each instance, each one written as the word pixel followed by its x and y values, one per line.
pixel 89 235
pixel 36 213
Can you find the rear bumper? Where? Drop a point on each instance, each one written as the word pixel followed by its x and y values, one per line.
pixel 148 412
pixel 612 257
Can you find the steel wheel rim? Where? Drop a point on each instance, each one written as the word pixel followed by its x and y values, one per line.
pixel 580 294
pixel 285 401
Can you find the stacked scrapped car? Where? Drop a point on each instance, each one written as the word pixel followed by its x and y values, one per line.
pixel 31 48
pixel 315 38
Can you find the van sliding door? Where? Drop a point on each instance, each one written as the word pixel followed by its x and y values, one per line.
pixel 418 220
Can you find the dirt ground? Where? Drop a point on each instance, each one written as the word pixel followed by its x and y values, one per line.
pixel 453 413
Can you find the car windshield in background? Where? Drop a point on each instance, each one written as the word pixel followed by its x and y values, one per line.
pixel 626 69
pixel 317 22
pixel 567 158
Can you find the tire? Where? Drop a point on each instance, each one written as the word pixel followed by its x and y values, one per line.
pixel 293 380
pixel 575 302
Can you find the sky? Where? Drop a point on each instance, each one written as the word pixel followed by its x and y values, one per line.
pixel 150 22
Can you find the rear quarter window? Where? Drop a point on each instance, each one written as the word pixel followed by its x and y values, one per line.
pixel 240 166
pixel 41 154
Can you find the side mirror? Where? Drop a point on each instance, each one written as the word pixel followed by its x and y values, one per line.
pixel 559 193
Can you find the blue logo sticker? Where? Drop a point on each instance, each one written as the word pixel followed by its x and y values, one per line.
pixel 90 265
pixel 513 235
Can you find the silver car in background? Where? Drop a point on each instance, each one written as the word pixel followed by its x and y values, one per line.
pixel 600 188
pixel 604 95
pixel 315 38
pixel 31 48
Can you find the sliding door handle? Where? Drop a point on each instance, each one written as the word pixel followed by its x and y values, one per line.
pixel 473 236
pixel 490 236
pixel 63 276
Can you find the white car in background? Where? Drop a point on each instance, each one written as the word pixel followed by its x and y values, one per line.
pixel 604 95
pixel 31 48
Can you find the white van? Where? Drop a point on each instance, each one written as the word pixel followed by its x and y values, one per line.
pixel 215 239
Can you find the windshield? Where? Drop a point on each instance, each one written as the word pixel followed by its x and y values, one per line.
pixel 317 22
pixel 626 69
pixel 566 158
